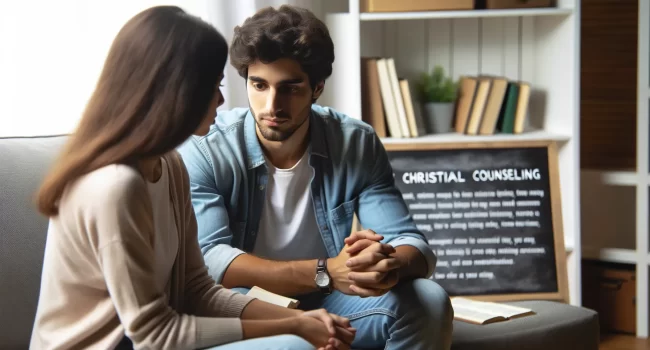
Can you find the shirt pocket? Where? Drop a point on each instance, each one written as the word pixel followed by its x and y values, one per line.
pixel 341 219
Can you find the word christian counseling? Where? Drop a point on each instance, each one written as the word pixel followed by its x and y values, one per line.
pixel 481 175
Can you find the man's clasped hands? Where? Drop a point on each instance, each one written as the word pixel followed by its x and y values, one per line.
pixel 365 266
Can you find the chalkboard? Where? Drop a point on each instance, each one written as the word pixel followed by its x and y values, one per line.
pixel 491 213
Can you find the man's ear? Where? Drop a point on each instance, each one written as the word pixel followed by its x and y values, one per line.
pixel 318 90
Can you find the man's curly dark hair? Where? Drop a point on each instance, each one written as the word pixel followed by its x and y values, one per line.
pixel 288 32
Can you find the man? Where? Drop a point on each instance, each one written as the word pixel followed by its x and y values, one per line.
pixel 275 188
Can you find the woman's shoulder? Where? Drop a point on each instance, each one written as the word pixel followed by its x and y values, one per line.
pixel 177 169
pixel 115 183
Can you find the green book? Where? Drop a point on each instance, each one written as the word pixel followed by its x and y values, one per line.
pixel 506 123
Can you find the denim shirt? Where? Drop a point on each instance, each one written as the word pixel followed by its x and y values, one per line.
pixel 352 174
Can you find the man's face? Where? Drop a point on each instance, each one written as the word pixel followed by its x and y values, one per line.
pixel 280 97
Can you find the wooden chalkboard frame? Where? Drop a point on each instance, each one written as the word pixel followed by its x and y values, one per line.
pixel 556 208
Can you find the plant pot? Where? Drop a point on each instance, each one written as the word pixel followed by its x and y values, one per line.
pixel 439 116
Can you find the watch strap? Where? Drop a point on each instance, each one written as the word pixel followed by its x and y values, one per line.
pixel 322 265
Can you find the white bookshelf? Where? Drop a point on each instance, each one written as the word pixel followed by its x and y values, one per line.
pixel 537 135
pixel 616 230
pixel 464 14
pixel 541 46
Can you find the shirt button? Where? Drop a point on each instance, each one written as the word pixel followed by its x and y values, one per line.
pixel 261 187
pixel 252 233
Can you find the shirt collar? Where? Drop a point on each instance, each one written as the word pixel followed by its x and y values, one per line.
pixel 254 149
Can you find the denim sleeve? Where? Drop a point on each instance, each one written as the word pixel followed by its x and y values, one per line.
pixel 382 208
pixel 214 233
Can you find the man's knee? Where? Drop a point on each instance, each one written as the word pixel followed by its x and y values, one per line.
pixel 435 298
pixel 427 296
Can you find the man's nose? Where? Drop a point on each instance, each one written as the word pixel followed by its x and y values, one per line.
pixel 272 101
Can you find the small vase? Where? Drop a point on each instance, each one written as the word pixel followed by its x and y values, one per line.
pixel 439 116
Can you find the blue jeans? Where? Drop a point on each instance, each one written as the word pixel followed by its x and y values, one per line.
pixel 415 315
pixel 278 342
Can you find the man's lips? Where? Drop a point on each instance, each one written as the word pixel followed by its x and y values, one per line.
pixel 274 121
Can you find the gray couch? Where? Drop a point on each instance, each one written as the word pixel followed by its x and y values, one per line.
pixel 23 162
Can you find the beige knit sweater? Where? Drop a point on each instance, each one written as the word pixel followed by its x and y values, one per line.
pixel 98 273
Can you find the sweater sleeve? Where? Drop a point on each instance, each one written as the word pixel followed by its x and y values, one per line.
pixel 122 216
pixel 202 296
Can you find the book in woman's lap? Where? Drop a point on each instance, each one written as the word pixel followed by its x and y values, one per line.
pixel 269 297
pixel 484 312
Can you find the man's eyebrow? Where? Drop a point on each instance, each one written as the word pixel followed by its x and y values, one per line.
pixel 256 79
pixel 282 82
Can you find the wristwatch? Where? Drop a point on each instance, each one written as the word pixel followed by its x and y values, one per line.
pixel 323 279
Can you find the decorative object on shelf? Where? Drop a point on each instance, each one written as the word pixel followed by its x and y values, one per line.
pixel 512 4
pixel 438 94
pixel 414 5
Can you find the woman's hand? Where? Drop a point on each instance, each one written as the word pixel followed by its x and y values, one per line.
pixel 324 330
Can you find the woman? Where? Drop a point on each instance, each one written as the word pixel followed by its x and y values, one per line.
pixel 122 263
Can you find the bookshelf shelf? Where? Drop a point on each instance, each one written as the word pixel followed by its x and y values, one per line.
pixel 616 255
pixel 457 137
pixel 389 16
pixel 612 178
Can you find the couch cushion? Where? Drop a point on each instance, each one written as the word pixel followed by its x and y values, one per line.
pixel 23 163
pixel 555 326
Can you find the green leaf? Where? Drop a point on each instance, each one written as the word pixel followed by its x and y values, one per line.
pixel 436 87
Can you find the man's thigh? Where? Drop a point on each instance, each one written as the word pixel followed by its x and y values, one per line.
pixel 278 342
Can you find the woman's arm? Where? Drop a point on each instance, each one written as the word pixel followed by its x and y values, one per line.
pixel 260 310
pixel 121 216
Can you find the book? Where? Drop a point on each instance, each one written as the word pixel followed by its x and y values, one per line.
pixel 522 108
pixel 484 312
pixel 388 100
pixel 493 106
pixel 467 91
pixel 372 110
pixel 272 298
pixel 506 123
pixel 478 106
pixel 416 124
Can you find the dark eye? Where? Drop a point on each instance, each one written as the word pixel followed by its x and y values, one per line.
pixel 258 86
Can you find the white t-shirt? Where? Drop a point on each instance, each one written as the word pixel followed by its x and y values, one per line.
pixel 166 235
pixel 288 228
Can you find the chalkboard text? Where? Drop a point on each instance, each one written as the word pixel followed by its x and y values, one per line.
pixel 479 175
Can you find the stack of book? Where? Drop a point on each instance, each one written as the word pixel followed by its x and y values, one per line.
pixel 487 105
pixel 387 102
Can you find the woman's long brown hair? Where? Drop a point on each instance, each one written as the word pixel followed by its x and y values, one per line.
pixel 153 92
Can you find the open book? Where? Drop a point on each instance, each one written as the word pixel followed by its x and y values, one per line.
pixel 272 298
pixel 484 312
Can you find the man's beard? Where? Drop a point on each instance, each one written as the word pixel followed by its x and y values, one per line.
pixel 271 134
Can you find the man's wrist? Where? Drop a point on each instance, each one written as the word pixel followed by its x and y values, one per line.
pixel 302 273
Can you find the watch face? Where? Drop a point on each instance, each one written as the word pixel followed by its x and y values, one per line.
pixel 322 279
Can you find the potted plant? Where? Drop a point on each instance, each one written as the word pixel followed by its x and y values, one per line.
pixel 438 94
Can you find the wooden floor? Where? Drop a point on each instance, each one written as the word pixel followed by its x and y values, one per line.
pixel 623 342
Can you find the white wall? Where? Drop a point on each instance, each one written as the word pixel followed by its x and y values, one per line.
pixel 51 54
